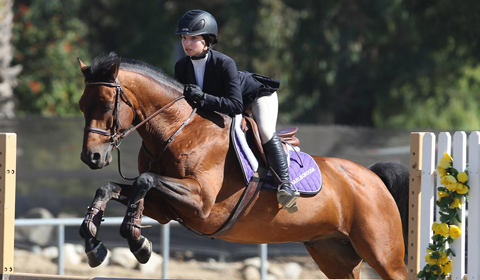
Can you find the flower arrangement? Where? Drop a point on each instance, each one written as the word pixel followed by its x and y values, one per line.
pixel 450 198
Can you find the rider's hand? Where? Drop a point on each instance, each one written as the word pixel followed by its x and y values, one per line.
pixel 193 93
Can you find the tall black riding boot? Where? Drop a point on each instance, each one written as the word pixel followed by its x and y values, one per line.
pixel 277 159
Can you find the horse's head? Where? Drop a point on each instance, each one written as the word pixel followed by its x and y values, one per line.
pixel 105 107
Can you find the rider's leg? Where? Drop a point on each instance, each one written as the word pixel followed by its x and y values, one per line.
pixel 265 111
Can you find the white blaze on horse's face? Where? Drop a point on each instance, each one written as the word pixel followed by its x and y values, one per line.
pixel 97 105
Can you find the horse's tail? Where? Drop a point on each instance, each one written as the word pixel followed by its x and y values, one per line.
pixel 396 177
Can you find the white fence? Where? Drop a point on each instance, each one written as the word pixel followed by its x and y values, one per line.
pixel 425 155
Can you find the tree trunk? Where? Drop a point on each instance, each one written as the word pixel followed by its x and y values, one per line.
pixel 8 74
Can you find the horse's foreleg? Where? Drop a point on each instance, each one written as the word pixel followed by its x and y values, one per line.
pixel 94 248
pixel 180 193
pixel 131 226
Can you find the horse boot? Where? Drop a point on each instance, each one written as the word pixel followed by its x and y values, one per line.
pixel 130 229
pixel 277 160
pixel 94 248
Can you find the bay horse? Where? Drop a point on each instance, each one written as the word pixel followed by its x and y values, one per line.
pixel 190 173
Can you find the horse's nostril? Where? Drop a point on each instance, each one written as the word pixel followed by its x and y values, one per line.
pixel 96 156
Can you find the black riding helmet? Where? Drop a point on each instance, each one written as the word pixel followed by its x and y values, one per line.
pixel 198 22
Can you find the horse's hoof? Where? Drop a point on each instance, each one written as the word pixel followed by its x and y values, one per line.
pixel 141 249
pixel 97 255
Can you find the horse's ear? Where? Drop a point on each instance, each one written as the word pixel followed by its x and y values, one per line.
pixel 114 69
pixel 83 67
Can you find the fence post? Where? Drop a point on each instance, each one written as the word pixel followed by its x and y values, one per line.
pixel 427 194
pixel 474 206
pixel 416 141
pixel 459 163
pixel 444 146
pixel 165 249
pixel 61 250
pixel 8 168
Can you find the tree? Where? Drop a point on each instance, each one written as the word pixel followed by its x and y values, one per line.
pixel 8 74
pixel 384 63
pixel 49 36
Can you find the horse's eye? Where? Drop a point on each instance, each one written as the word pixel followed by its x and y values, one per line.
pixel 108 107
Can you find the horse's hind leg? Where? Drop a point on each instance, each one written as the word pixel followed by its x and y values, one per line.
pixel 382 249
pixel 94 248
pixel 131 226
pixel 336 258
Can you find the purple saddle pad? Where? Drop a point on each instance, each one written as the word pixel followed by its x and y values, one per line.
pixel 304 174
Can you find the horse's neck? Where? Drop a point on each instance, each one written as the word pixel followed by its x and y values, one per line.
pixel 150 96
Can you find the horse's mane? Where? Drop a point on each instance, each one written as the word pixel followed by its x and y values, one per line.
pixel 102 64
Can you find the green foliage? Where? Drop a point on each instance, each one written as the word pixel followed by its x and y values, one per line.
pixel 48 36
pixel 450 103
pixel 385 63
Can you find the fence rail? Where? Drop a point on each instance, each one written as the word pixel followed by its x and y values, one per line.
pixel 61 223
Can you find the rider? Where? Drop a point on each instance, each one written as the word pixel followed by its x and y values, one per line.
pixel 212 82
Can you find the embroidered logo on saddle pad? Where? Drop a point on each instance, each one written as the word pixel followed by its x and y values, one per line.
pixel 304 174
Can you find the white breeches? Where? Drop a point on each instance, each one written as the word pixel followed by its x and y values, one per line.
pixel 265 112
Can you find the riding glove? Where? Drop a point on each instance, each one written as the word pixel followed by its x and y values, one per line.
pixel 194 93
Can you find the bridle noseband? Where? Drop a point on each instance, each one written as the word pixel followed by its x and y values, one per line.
pixel 115 135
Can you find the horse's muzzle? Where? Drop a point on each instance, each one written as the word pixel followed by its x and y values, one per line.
pixel 96 160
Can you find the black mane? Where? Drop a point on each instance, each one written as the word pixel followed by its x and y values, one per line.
pixel 102 64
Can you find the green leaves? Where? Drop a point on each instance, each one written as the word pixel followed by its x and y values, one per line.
pixel 388 64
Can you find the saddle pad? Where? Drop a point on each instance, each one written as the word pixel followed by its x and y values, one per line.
pixel 246 158
pixel 304 174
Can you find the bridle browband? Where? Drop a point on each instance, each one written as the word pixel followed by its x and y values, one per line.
pixel 115 135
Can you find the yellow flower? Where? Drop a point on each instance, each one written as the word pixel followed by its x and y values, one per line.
pixel 429 260
pixel 441 171
pixel 451 187
pixel 457 203
pixel 442 270
pixel 462 190
pixel 448 268
pixel 450 179
pixel 455 231
pixel 442 194
pixel 449 182
pixel 445 163
pixel 443 258
pixel 462 177
pixel 434 228
pixel 448 157
pixel 442 229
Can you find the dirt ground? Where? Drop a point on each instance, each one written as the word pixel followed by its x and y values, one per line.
pixel 27 262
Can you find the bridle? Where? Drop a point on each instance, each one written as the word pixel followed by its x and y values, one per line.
pixel 115 135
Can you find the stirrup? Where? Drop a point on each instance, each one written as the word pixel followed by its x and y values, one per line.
pixel 288 199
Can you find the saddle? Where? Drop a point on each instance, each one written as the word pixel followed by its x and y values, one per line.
pixel 250 128
pixel 255 183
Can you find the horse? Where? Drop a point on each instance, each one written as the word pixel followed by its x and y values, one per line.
pixel 188 172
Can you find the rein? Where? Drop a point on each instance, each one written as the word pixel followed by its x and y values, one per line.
pixel 116 137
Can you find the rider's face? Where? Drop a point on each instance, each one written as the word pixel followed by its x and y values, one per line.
pixel 194 45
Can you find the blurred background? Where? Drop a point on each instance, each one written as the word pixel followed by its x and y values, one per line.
pixel 356 76
pixel 375 63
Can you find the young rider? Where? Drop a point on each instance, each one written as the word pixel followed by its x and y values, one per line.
pixel 213 83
